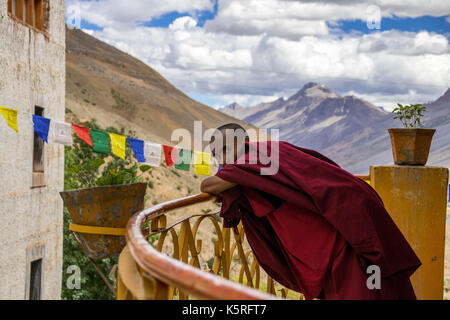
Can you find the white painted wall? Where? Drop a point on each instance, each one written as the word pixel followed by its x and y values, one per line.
pixel 32 72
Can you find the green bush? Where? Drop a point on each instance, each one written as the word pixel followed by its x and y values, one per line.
pixel 84 168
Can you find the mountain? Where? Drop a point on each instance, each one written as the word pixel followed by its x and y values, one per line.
pixel 437 116
pixel 117 89
pixel 349 130
pixel 233 109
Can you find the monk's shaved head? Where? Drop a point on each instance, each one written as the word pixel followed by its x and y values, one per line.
pixel 226 150
pixel 232 126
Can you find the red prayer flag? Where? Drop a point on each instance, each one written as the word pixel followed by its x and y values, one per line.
pixel 83 133
pixel 171 157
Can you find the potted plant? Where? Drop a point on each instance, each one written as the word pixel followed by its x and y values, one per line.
pixel 107 207
pixel 411 144
pixel 101 191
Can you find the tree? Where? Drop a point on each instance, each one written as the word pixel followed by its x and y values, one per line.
pixel 84 168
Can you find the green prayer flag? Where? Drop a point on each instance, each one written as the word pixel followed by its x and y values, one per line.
pixel 184 160
pixel 100 139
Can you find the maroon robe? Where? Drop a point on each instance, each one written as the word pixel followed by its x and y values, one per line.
pixel 316 228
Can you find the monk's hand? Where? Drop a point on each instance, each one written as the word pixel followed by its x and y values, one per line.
pixel 215 185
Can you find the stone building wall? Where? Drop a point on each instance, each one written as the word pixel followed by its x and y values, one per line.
pixel 32 73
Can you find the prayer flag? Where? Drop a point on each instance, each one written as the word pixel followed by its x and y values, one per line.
pixel 202 163
pixel 118 144
pixel 138 148
pixel 10 116
pixel 184 160
pixel 100 139
pixel 152 152
pixel 62 133
pixel 83 134
pixel 170 155
pixel 41 126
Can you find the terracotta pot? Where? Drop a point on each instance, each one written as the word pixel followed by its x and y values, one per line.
pixel 411 146
pixel 111 207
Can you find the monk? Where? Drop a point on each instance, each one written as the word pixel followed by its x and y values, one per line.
pixel 313 227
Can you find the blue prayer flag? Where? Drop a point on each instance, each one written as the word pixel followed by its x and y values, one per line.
pixel 41 126
pixel 138 148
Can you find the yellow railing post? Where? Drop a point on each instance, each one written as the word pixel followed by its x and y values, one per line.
pixel 416 199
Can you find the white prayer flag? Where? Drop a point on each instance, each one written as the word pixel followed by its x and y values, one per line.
pixel 62 133
pixel 152 154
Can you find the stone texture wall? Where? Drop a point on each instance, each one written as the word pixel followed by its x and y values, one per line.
pixel 32 72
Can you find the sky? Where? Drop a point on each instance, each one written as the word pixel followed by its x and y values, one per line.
pixel 254 51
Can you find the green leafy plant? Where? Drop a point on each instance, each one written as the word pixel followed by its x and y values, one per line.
pixel 84 168
pixel 409 115
pixel 92 286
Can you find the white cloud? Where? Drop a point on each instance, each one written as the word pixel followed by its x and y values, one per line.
pixel 89 32
pixel 405 43
pixel 260 52
pixel 292 19
pixel 183 23
pixel 400 8
pixel 246 100
pixel 108 13
pixel 389 101
pixel 288 28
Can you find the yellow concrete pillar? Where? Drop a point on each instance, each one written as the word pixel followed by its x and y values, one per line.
pixel 416 198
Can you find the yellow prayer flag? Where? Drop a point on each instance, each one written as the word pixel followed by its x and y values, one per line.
pixel 118 145
pixel 202 163
pixel 10 116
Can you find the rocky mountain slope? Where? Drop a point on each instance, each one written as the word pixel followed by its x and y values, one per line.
pixel 118 89
pixel 108 85
pixel 349 130
pixel 438 116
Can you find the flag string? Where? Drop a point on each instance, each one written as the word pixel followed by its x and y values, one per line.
pixel 107 143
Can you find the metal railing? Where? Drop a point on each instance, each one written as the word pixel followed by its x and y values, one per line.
pixel 145 272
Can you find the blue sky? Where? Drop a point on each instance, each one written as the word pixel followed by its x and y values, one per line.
pixel 416 24
pixel 222 51
pixel 425 23
pixel 167 19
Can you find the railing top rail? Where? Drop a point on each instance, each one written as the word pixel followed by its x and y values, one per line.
pixel 198 283
pixel 363 176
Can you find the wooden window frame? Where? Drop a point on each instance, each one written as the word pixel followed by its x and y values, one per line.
pixel 38 168
pixel 30 12
pixel 34 254
pixel 39 14
pixel 19 9
pixel 35 288
pixel 29 5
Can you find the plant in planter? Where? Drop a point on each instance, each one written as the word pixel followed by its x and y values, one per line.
pixel 411 144
pixel 101 191
pixel 409 115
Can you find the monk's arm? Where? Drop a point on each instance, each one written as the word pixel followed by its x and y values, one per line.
pixel 215 185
